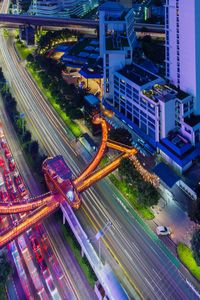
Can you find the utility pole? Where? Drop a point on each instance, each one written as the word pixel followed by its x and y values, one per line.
pixel 101 233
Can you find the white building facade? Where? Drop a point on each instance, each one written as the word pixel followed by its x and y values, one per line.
pixel 183 46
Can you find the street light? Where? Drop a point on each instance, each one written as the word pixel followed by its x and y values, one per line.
pixel 101 233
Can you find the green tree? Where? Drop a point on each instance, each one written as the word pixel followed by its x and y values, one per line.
pixel 30 58
pixel 128 171
pixel 195 243
pixel 194 211
pixel 3 295
pixel 147 194
pixel 27 136
pixel 34 148
pixel 5 270
pixel 121 135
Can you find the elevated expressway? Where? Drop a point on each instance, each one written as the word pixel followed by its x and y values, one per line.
pixel 73 23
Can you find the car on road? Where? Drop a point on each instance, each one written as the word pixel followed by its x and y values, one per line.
pixel 14 194
pixel 3 143
pixel 43 265
pixel 22 190
pixel 7 153
pixel 8 181
pixel 163 230
pixel 4 195
pixel 37 249
pixel 52 288
pixel 11 164
pixel 17 178
pixel 8 178
pixel 1 179
pixel 57 269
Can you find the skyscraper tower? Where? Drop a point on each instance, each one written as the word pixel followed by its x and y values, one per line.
pixel 117 40
pixel 183 47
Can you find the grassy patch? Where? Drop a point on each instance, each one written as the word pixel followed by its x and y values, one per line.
pixel 131 196
pixel 76 249
pixel 5 33
pixel 186 257
pixel 70 124
pixel 23 50
pixel 104 161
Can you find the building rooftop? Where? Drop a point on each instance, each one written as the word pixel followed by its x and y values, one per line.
pixel 166 174
pixel 137 74
pixel 116 42
pixel 111 6
pixel 91 99
pixel 93 70
pixel 160 92
pixel 180 94
pixel 84 48
pixel 177 144
pixel 193 120
pixel 113 11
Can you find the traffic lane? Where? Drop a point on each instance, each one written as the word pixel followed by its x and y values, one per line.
pixel 141 241
pixel 129 223
pixel 78 277
pixel 14 285
pixel 52 266
pixel 11 137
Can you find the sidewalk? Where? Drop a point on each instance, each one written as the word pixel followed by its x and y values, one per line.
pixel 168 213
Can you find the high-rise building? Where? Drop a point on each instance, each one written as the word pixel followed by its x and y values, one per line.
pixel 183 46
pixel 116 39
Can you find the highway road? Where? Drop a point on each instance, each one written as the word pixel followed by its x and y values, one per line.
pixel 142 257
pixel 72 275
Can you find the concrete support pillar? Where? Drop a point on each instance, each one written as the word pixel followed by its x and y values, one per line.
pixel 82 252
pixel 63 219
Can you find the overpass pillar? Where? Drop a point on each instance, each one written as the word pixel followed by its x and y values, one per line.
pixel 64 219
pixel 38 29
pixel 82 252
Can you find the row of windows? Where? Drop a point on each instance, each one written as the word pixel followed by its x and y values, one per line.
pixel 134 111
pixel 145 125
pixel 135 100
pixel 122 84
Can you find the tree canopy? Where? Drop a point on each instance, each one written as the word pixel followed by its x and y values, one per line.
pixel 195 243
pixel 147 194
pixel 5 268
pixel 194 211
pixel 47 41
pixel 5 271
pixel 121 135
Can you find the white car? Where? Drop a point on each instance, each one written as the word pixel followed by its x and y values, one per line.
pixel 163 230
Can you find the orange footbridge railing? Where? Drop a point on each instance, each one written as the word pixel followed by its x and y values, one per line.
pixel 7 208
pixel 92 166
pixel 31 220
pixel 40 207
